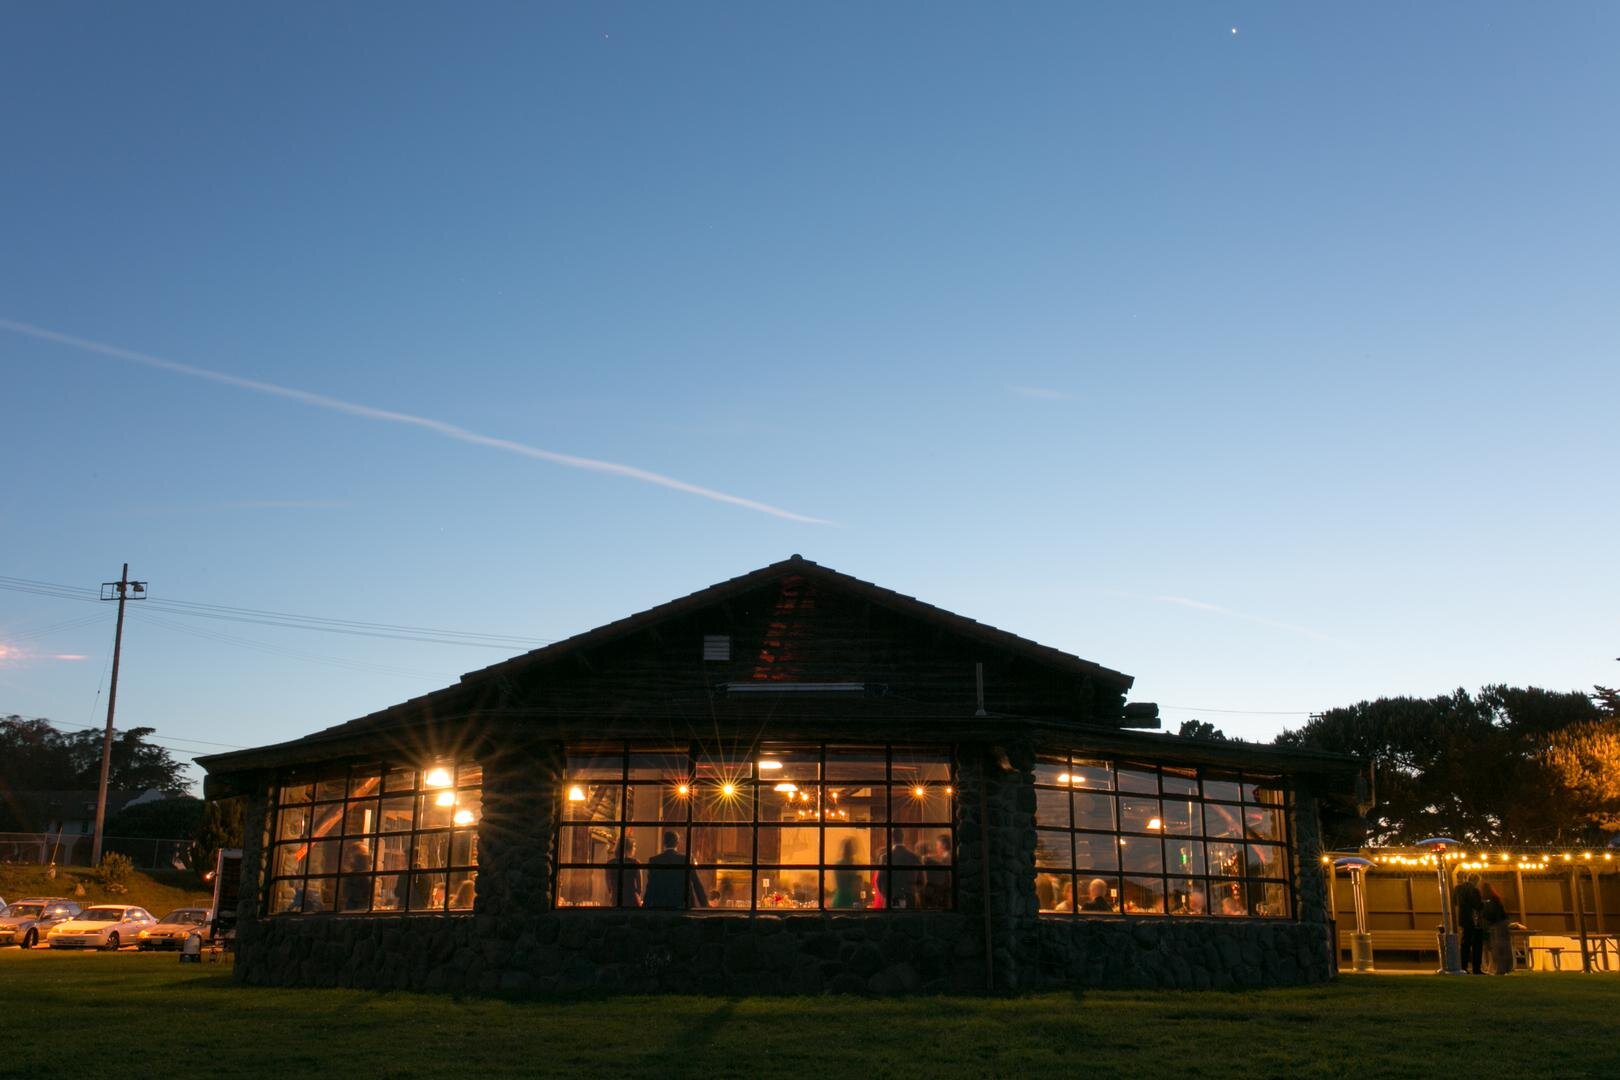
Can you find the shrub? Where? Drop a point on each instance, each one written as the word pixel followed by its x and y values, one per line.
pixel 221 827
pixel 114 872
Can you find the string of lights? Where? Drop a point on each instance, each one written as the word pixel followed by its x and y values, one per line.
pixel 1521 859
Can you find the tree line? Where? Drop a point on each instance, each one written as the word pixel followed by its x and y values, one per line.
pixel 36 757
pixel 1503 765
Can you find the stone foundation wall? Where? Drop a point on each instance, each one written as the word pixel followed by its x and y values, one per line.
pixel 648 952
pixel 1180 954
pixel 628 951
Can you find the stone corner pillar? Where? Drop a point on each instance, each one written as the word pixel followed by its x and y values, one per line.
pixel 522 780
pixel 258 812
pixel 996 860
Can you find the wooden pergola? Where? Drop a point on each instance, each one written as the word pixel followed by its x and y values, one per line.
pixel 1562 889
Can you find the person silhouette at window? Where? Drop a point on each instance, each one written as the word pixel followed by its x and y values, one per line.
pixel 624 875
pixel 671 885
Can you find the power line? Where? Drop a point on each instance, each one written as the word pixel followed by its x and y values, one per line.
pixel 277 650
pixel 175 738
pixel 54 628
pixel 56 594
pixel 226 608
pixel 288 620
pixel 352 632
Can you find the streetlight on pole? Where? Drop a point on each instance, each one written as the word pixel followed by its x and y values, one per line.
pixel 121 590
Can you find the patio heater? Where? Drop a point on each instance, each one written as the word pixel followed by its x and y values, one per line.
pixel 1450 950
pixel 1361 953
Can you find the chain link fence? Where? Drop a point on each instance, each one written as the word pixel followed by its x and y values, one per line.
pixel 73 849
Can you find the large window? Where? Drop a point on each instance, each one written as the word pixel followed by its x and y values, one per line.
pixel 1159 840
pixel 376 839
pixel 785 828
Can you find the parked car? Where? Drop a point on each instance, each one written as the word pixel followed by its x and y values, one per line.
pixel 105 926
pixel 171 931
pixel 30 919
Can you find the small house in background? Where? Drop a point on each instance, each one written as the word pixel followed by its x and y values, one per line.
pixel 57 826
pixel 792 781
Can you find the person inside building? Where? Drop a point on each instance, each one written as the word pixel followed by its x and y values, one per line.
pixel 846 882
pixel 1045 891
pixel 903 881
pixel 1097 896
pixel 357 888
pixel 624 875
pixel 671 885
pixel 937 874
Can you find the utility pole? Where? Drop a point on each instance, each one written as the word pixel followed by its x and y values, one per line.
pixel 120 590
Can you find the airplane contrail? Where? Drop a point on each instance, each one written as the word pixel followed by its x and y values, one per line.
pixel 451 431
pixel 1216 609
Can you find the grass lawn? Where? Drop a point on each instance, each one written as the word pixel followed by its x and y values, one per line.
pixel 89 1015
pixel 158 891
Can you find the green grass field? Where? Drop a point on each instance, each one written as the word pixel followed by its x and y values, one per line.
pixel 90 1015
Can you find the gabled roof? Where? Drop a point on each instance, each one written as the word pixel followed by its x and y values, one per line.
pixel 797 564
pixel 900 603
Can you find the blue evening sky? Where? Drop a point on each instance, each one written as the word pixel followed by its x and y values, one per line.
pixel 1277 368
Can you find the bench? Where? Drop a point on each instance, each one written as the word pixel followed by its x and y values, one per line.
pixel 1418 941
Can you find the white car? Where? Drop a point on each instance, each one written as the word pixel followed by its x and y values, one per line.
pixel 105 926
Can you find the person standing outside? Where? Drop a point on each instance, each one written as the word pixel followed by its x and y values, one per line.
pixel 1494 918
pixel 1469 900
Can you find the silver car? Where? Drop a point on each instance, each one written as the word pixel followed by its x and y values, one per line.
pixel 26 922
pixel 172 930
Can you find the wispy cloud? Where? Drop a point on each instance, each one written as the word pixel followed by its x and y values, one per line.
pixel 1216 609
pixel 440 427
pixel 1045 393
pixel 21 655
pixel 285 504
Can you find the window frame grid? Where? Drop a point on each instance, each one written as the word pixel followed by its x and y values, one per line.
pixel 696 758
pixel 1249 884
pixel 303 880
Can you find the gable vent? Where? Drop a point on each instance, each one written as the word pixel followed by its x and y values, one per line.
pixel 717 646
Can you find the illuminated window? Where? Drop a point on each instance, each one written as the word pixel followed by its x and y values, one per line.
pixel 1136 839
pixel 374 840
pixel 785 828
